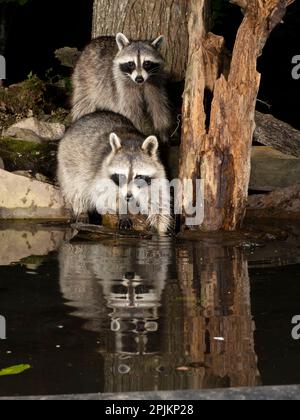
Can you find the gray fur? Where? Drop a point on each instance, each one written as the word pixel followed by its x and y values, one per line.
pixel 99 84
pixel 95 148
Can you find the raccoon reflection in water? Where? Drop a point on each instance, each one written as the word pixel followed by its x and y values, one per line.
pixel 158 307
pixel 120 284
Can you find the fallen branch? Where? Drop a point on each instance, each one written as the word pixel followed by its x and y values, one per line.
pixel 277 134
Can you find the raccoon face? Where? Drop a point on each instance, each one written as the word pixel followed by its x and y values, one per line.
pixel 132 169
pixel 139 60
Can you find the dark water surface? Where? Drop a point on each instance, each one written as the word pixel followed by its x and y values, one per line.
pixel 144 315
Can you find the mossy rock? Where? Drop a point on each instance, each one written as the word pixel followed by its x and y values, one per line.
pixel 21 155
pixel 28 95
pixel 33 97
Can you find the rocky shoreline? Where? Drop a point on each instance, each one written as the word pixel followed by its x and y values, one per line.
pixel 34 116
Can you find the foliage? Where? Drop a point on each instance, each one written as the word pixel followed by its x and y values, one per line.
pixel 19 2
pixel 63 82
pixel 19 155
pixel 14 370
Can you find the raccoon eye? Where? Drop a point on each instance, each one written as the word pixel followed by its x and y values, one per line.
pixel 131 65
pixel 140 179
pixel 119 180
pixel 150 66
pixel 128 67
pixel 147 64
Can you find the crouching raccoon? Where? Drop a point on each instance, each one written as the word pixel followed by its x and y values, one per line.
pixel 105 164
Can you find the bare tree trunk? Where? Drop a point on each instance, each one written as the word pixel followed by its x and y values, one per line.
pixel 216 144
pixel 140 19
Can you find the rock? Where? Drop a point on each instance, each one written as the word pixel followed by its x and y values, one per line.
pixel 34 97
pixel 279 203
pixel 42 178
pixel 272 169
pixel 31 157
pixel 31 129
pixel 26 174
pixel 23 198
pixel 22 134
pixel 18 100
pixel 1 163
pixel 18 243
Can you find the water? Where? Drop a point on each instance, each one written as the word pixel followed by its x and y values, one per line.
pixel 145 315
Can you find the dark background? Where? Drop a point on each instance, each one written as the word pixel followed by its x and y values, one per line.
pixel 38 28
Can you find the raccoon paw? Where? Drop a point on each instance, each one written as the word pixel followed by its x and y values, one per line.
pixel 125 224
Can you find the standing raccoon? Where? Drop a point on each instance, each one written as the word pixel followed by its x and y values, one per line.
pixel 105 164
pixel 127 78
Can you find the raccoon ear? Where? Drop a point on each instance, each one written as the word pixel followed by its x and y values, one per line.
pixel 115 142
pixel 122 41
pixel 157 43
pixel 150 146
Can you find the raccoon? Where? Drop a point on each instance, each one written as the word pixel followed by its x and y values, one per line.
pixel 105 164
pixel 127 78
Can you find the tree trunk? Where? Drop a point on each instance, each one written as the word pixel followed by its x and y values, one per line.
pixel 218 111
pixel 277 134
pixel 140 19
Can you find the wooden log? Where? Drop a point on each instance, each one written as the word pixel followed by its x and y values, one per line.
pixel 94 233
pixel 281 136
pixel 283 203
pixel 217 138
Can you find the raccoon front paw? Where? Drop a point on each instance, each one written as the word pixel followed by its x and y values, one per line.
pixel 125 224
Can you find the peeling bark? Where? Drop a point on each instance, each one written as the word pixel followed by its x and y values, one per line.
pixel 217 140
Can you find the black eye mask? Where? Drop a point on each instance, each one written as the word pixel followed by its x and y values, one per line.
pixel 128 68
pixel 119 180
pixel 151 67
pixel 141 179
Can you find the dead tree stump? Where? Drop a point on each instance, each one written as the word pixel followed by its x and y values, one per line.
pixel 219 109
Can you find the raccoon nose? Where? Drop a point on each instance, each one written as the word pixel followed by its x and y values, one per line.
pixel 129 197
pixel 139 79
